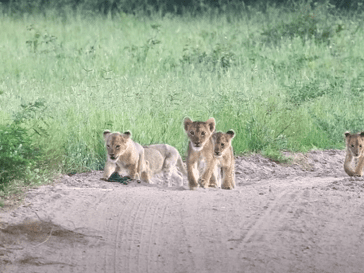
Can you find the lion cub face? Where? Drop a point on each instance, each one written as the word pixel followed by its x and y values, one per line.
pixel 116 144
pixel 222 142
pixel 199 132
pixel 355 143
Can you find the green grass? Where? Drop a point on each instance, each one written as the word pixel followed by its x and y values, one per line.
pixel 283 79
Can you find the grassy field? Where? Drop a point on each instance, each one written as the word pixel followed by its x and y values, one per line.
pixel 283 79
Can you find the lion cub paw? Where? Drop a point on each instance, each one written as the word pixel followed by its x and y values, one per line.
pixel 213 185
pixel 227 187
pixel 203 183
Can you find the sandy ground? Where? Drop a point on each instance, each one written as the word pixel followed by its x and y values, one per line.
pixel 306 217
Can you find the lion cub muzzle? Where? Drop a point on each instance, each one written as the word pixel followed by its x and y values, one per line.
pixel 113 157
pixel 217 154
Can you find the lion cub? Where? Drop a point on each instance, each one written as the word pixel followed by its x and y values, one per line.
pixel 200 159
pixel 354 150
pixel 123 155
pixel 131 159
pixel 163 158
pixel 223 152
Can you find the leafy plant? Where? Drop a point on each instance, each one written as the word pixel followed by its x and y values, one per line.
pixel 18 152
pixel 41 42
pixel 307 23
pixel 221 56
pixel 140 53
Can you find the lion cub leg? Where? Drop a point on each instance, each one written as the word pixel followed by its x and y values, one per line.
pixel 192 174
pixel 170 170
pixel 228 181
pixel 146 173
pixel 133 171
pixel 347 165
pixel 208 178
pixel 359 166
pixel 108 170
pixel 215 182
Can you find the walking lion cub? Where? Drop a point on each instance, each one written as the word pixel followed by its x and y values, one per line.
pixel 354 150
pixel 201 163
pixel 163 158
pixel 129 158
pixel 223 152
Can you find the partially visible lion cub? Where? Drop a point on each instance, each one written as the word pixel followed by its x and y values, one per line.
pixel 354 150
pixel 123 155
pixel 163 158
pixel 223 152
pixel 201 162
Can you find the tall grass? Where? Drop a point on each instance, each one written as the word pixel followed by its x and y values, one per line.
pixel 283 79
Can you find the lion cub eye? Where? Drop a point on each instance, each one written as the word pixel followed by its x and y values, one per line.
pixel 203 133
pixel 117 146
pixel 352 145
pixel 222 144
pixel 192 132
pixel 108 146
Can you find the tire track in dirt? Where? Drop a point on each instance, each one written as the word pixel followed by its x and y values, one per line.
pixel 151 239
pixel 252 222
pixel 100 257
pixel 141 258
pixel 123 234
pixel 126 238
pixel 274 211
pixel 185 261
pixel 202 230
pixel 105 210
pixel 136 234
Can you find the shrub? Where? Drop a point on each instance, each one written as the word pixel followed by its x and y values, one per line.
pixel 220 56
pixel 18 152
pixel 317 23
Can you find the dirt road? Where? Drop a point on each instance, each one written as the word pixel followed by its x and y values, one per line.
pixel 307 217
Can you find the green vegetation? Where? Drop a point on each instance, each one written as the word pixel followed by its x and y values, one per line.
pixel 282 78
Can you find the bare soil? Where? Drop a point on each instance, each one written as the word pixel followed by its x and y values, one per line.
pixel 303 217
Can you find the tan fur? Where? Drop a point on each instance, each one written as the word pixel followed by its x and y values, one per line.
pixel 223 152
pixel 163 158
pixel 123 155
pixel 201 162
pixel 354 150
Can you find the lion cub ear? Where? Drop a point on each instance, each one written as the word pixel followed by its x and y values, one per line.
pixel 361 134
pixel 231 133
pixel 211 123
pixel 106 134
pixel 347 134
pixel 127 134
pixel 186 123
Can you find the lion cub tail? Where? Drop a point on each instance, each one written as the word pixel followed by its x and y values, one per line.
pixel 181 166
